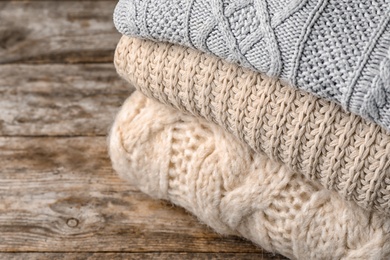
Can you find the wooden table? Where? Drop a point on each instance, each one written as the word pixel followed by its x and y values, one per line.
pixel 59 197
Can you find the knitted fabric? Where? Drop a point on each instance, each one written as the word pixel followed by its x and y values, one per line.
pixel 336 49
pixel 310 135
pixel 234 190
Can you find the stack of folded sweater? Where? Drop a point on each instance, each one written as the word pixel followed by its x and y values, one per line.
pixel 268 119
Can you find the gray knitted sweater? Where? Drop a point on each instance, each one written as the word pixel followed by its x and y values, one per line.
pixel 335 49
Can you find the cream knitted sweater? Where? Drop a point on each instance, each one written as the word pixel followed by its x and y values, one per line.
pixel 197 165
pixel 311 136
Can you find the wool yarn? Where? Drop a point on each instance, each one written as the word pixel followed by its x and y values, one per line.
pixel 335 49
pixel 197 165
pixel 311 136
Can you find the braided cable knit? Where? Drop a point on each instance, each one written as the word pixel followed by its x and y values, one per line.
pixel 334 49
pixel 311 136
pixel 234 190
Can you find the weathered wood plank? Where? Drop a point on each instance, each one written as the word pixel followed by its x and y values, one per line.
pixel 136 256
pixel 59 99
pixel 61 195
pixel 57 31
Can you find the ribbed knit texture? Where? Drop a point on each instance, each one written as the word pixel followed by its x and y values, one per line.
pixel 311 136
pixel 234 190
pixel 336 49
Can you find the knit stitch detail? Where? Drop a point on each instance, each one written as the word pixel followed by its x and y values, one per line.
pixel 377 97
pixel 321 46
pixel 311 136
pixel 237 191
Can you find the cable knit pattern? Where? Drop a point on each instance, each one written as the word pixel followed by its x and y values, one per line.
pixel 310 135
pixel 378 96
pixel 234 190
pixel 334 49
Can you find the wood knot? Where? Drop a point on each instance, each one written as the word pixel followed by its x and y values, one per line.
pixel 11 35
pixel 72 222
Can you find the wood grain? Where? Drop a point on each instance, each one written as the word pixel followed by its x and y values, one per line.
pixel 57 100
pixel 136 256
pixel 57 31
pixel 60 194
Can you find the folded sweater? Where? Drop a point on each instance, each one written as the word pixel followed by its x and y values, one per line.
pixel 335 49
pixel 234 190
pixel 311 136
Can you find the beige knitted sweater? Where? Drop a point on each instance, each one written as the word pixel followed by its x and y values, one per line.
pixel 310 136
pixel 197 165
